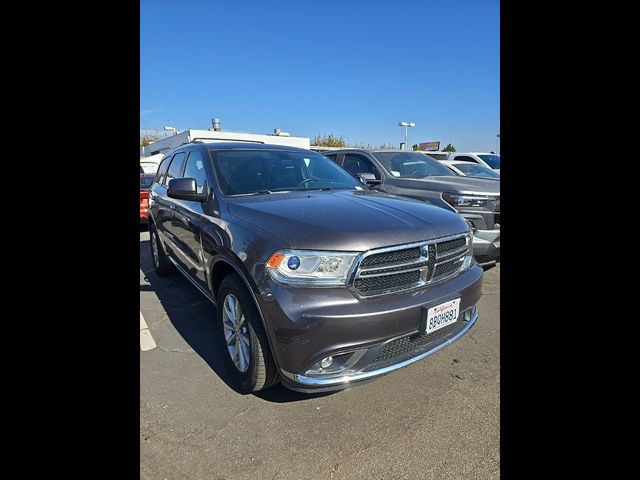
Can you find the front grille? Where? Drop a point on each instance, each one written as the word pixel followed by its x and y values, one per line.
pixel 402 349
pixel 449 247
pixel 446 268
pixel 406 267
pixel 386 283
pixel 391 258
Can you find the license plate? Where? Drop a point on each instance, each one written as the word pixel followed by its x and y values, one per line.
pixel 442 315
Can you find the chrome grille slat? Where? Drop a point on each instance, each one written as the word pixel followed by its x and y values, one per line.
pixel 386 270
pixel 393 269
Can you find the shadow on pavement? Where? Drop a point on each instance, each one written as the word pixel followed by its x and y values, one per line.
pixel 193 316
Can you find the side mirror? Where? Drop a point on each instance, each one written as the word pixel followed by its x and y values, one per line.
pixel 185 189
pixel 368 179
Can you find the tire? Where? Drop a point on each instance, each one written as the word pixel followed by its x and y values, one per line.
pixel 260 371
pixel 161 263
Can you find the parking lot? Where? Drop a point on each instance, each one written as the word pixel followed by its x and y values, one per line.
pixel 436 419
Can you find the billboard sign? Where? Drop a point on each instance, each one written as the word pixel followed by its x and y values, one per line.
pixel 430 146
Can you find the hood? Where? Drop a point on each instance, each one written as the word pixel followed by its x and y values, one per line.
pixel 357 220
pixel 453 184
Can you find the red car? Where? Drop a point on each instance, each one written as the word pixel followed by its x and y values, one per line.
pixel 146 180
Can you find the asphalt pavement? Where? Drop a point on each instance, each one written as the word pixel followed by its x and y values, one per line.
pixel 436 419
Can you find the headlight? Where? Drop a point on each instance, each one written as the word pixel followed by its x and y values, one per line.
pixel 460 200
pixel 311 268
pixel 469 260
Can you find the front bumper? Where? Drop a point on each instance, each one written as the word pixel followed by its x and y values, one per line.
pixel 304 383
pixel 486 246
pixel 308 324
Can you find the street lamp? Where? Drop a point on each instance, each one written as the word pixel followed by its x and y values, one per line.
pixel 498 144
pixel 171 129
pixel 406 126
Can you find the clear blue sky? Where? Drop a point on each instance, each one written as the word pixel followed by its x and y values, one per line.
pixel 349 67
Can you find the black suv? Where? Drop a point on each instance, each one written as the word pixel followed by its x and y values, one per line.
pixel 320 283
pixel 416 175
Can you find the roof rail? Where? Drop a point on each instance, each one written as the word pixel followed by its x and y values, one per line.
pixel 199 140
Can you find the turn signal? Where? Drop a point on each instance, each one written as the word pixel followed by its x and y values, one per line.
pixel 275 260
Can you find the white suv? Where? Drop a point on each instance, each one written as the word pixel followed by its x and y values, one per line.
pixel 489 160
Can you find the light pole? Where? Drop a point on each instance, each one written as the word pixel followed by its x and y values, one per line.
pixel 498 144
pixel 343 137
pixel 406 126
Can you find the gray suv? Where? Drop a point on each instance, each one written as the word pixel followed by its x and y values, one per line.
pixel 416 175
pixel 319 283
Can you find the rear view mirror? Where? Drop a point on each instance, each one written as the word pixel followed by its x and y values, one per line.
pixel 185 189
pixel 368 179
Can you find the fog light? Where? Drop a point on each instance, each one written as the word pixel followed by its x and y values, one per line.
pixel 335 364
pixel 326 362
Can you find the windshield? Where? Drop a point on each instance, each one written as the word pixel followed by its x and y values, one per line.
pixel 476 170
pixel 266 171
pixel 492 160
pixel 411 165
pixel 146 182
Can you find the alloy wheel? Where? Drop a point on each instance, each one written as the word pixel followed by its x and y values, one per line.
pixel 236 333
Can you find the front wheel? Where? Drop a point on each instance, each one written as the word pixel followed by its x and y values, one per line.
pixel 243 337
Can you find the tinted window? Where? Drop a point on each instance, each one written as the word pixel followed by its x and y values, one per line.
pixel 359 164
pixel 476 170
pixel 259 171
pixel 146 182
pixel 332 156
pixel 492 160
pixel 176 167
pixel 195 169
pixel 162 169
pixel 411 165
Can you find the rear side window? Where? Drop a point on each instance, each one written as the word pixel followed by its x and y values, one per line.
pixel 175 169
pixel 332 156
pixel 358 164
pixel 162 170
pixel 195 169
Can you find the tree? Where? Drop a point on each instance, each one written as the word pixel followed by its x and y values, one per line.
pixel 415 147
pixel 449 148
pixel 148 136
pixel 387 146
pixel 328 141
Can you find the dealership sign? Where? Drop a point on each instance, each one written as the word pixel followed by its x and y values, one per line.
pixel 430 146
